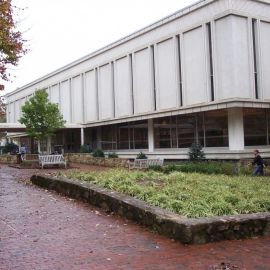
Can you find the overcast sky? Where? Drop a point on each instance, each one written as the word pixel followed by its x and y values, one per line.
pixel 61 31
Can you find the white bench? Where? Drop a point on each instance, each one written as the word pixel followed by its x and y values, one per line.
pixel 145 163
pixel 51 160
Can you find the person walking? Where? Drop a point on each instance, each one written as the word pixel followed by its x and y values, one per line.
pixel 23 151
pixel 258 162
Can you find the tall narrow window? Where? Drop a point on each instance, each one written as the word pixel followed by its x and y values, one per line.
pixel 180 70
pixel 154 75
pixel 254 33
pixel 211 69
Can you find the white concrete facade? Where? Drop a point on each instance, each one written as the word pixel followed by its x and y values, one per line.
pixel 209 56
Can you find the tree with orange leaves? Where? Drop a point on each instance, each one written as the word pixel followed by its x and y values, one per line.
pixel 11 41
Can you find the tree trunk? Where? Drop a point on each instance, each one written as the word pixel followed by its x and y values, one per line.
pixel 38 145
pixel 49 145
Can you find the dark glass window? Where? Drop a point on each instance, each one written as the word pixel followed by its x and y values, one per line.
pixel 162 132
pixel 72 143
pixel 216 129
pixel 209 129
pixel 186 130
pixel 123 137
pixel 174 143
pixel 255 127
pixel 108 138
pixel 133 135
pixel 140 134
pixel 200 129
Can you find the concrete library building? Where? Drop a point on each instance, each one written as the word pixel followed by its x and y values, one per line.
pixel 200 74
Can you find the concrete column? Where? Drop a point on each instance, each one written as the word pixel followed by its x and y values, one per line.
pixel 82 136
pixel 150 135
pixel 236 129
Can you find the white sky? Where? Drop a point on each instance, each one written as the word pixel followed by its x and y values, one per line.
pixel 61 31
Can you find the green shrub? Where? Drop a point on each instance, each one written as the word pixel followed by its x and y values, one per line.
pixel 246 170
pixel 210 167
pixel 171 168
pixel 85 148
pixel 98 153
pixel 10 147
pixel 156 168
pixel 112 155
pixel 206 167
pixel 196 152
pixel 141 155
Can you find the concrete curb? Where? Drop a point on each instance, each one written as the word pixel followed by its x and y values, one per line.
pixel 185 230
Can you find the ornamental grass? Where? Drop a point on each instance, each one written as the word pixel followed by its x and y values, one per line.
pixel 192 195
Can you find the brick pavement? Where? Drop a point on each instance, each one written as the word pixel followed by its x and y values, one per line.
pixel 40 230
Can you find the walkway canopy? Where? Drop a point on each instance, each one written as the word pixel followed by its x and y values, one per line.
pixel 16 127
pixel 11 127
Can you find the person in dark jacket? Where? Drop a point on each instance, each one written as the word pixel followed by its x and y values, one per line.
pixel 258 162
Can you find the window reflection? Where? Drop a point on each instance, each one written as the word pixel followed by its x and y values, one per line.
pixel 216 128
pixel 133 135
pixel 209 129
pixel 162 132
pixel 123 137
pixel 186 130
pixel 255 127
pixel 108 138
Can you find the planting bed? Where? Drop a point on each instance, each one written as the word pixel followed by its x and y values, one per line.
pixel 191 195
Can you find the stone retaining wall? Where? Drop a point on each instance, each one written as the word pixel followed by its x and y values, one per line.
pixel 88 159
pixel 185 230
pixel 8 159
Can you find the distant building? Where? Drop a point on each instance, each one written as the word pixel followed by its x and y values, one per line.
pixel 202 73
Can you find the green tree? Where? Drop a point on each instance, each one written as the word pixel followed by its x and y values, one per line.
pixel 41 118
pixel 11 41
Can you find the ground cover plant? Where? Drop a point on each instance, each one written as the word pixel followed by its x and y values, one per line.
pixel 189 194
pixel 205 167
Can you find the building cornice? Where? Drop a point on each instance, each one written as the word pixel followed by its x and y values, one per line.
pixel 218 105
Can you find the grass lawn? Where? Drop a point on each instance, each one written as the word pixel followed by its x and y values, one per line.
pixel 188 194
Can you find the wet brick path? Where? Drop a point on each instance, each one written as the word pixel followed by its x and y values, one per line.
pixel 40 230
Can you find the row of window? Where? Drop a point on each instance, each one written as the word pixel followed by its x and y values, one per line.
pixel 133 135
pixel 209 128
